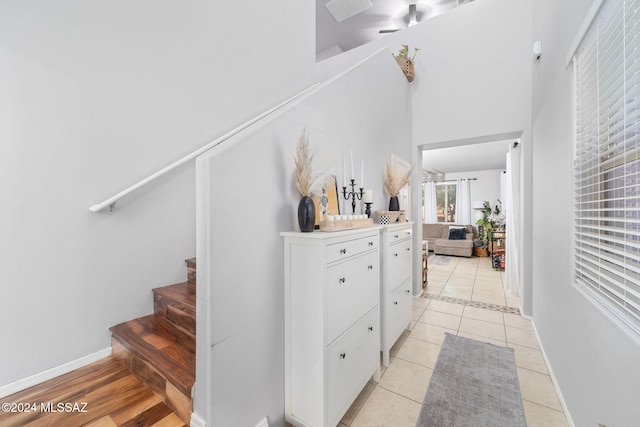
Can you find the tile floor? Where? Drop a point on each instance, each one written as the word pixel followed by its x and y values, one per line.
pixel 396 400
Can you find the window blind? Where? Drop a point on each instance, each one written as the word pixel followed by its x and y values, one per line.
pixel 607 160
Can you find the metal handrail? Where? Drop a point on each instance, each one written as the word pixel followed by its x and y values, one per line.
pixel 111 201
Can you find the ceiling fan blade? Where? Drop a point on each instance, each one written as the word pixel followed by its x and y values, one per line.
pixel 413 20
pixel 412 15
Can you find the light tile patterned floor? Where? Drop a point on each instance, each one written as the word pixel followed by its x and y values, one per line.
pixel 466 298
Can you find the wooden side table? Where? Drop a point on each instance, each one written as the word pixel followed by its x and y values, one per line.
pixel 425 268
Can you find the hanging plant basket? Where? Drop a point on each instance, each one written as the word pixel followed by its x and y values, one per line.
pixel 406 65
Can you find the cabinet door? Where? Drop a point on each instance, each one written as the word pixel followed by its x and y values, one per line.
pixel 350 360
pixel 352 290
pixel 398 264
pixel 397 312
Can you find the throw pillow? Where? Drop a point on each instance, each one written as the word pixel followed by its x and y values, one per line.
pixel 457 233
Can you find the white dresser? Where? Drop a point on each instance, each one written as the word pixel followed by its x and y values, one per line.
pixel 395 288
pixel 332 318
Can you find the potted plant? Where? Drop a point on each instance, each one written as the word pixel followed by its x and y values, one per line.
pixel 406 63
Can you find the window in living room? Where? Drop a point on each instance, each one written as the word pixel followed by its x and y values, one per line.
pixel 446 201
pixel 607 160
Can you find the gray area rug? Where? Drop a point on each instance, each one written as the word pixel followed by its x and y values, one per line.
pixel 438 260
pixel 473 384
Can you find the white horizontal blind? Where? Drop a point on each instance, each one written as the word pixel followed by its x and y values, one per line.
pixel 607 160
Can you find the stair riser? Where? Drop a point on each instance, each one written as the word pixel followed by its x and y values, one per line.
pixel 191 270
pixel 175 312
pixel 191 275
pixel 177 401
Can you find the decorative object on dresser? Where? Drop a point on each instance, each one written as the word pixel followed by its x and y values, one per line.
pixel 394 180
pixel 395 286
pixel 303 176
pixel 367 199
pixel 388 217
pixel 332 319
pixel 345 222
pixel 352 194
pixel 327 202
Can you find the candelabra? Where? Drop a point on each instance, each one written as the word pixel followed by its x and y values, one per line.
pixel 353 194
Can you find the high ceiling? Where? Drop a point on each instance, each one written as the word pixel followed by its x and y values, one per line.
pixel 467 158
pixel 365 26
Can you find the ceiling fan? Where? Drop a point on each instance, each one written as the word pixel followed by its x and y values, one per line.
pixel 412 20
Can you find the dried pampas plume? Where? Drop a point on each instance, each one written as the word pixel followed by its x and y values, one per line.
pixel 303 159
pixel 394 180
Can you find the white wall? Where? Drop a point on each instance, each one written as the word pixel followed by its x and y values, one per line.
pixel 94 96
pixel 472 81
pixel 240 374
pixel 486 187
pixel 594 358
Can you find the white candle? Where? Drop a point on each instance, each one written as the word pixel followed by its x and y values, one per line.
pixel 368 196
pixel 352 177
pixel 344 171
pixel 362 175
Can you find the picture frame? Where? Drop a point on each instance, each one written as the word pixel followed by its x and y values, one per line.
pixel 327 202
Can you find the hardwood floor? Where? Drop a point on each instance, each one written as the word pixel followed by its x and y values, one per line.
pixel 101 394
pixel 146 382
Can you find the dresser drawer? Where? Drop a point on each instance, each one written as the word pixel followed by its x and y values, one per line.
pixel 346 249
pixel 397 313
pixel 352 290
pixel 349 360
pixel 397 235
pixel 397 264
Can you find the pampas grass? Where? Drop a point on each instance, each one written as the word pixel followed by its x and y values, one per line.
pixel 395 180
pixel 303 160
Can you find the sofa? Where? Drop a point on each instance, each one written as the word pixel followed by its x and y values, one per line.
pixel 443 241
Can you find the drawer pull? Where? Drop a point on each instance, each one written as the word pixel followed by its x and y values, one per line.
pixel 408 291
pixel 396 236
pixel 371 328
pixel 395 254
pixel 370 267
pixel 343 355
pixel 343 279
pixel 370 243
pixel 343 251
pixel 395 303
pixel 408 249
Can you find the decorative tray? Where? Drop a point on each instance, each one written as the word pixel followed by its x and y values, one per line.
pixel 388 217
pixel 345 224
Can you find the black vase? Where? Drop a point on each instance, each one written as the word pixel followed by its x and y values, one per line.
pixel 306 214
pixel 394 205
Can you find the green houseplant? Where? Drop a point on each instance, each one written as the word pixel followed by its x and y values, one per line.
pixel 491 219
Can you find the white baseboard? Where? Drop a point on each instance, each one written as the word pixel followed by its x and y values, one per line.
pixel 43 376
pixel 553 378
pixel 196 421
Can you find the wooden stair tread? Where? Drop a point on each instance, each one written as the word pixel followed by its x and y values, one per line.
pixel 184 292
pixel 191 262
pixel 158 342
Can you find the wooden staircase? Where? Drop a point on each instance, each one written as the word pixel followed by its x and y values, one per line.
pixel 159 349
